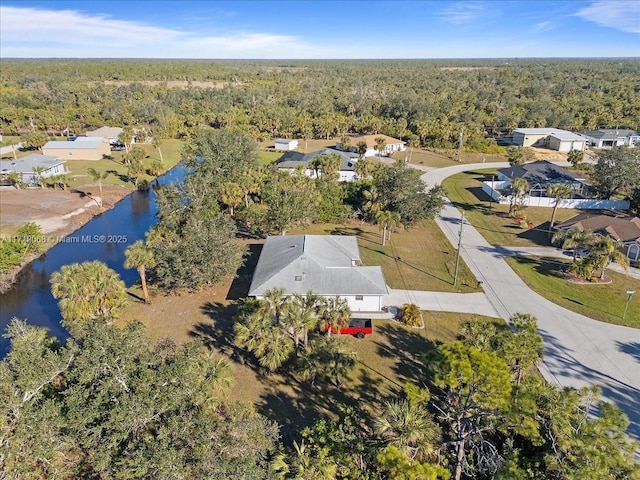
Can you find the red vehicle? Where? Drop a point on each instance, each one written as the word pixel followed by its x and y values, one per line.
pixel 357 326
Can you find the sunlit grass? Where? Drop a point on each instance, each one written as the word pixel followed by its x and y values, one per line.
pixel 604 302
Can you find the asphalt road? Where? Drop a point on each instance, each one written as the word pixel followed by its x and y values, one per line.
pixel 579 351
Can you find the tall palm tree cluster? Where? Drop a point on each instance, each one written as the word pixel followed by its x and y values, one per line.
pixel 600 251
pixel 285 330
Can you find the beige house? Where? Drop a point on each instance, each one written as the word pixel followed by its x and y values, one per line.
pixel 110 133
pixel 553 138
pixel 82 148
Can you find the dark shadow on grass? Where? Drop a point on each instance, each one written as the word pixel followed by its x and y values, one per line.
pixel 399 260
pixel 218 334
pixel 409 349
pixel 242 281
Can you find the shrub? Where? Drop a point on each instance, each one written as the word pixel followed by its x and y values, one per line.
pixel 410 315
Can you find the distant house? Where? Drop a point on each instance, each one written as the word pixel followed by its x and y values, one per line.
pixel 391 145
pixel 285 144
pixel 553 138
pixel 541 175
pixel 623 229
pixel 33 166
pixel 609 138
pixel 81 148
pixel 327 265
pixel 347 171
pixel 110 133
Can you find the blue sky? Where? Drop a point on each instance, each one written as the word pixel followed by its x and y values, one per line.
pixel 320 29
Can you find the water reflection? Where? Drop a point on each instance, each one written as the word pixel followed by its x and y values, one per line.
pixel 104 238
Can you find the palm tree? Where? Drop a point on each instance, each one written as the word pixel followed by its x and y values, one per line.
pixel 298 317
pixel 372 204
pixel 140 257
pixel 345 143
pixel 409 427
pixel 381 143
pixel 38 171
pixel 573 239
pixel 387 220
pixel 334 312
pixel 275 300
pixel 98 176
pixel 558 191
pixel 231 195
pixel 606 249
pixel 520 186
pixel 363 168
pixel 87 291
pixel 256 332
pixel 16 179
pixel 361 148
pixel 126 137
pixel 157 142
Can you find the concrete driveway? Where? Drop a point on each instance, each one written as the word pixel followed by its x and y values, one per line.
pixel 579 351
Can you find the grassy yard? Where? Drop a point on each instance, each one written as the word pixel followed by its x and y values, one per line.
pixel 387 359
pixel 265 157
pixel 171 153
pixel 420 258
pixel 494 223
pixel 601 302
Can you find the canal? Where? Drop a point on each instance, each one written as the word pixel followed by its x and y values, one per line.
pixel 104 238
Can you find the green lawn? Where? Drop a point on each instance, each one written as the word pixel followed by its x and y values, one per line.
pixel 266 157
pixel 171 153
pixel 440 159
pixel 493 222
pixel 419 258
pixel 601 302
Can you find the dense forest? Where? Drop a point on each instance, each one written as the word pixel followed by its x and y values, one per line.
pixel 426 103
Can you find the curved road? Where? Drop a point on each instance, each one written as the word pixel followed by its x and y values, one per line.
pixel 579 351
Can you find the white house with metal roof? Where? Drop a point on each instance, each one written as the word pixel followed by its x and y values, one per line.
pixel 553 138
pixel 327 265
pixel 33 166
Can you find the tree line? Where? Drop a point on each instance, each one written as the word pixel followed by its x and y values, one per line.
pixel 426 103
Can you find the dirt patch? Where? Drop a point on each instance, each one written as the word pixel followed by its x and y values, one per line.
pixel 57 212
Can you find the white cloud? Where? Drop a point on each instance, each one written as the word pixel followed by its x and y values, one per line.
pixel 461 12
pixel 543 27
pixel 30 32
pixel 622 15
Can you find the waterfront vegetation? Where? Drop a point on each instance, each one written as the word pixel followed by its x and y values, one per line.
pixel 252 389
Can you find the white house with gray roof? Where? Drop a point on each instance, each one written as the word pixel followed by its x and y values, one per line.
pixel 347 171
pixel 609 138
pixel 33 166
pixel 327 265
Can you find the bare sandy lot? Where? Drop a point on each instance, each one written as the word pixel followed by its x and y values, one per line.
pixel 56 211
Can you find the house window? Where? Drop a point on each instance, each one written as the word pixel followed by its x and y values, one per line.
pixel 298 278
pixel 359 297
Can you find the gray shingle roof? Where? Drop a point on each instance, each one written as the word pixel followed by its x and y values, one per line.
pixel 324 264
pixel 292 159
pixel 541 171
pixel 608 133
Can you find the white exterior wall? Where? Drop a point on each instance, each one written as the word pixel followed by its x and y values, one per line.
pixel 345 175
pixel 580 203
pixel 369 303
pixel 565 145
pixel 286 146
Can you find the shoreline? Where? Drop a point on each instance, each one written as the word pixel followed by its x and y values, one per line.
pixel 59 225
